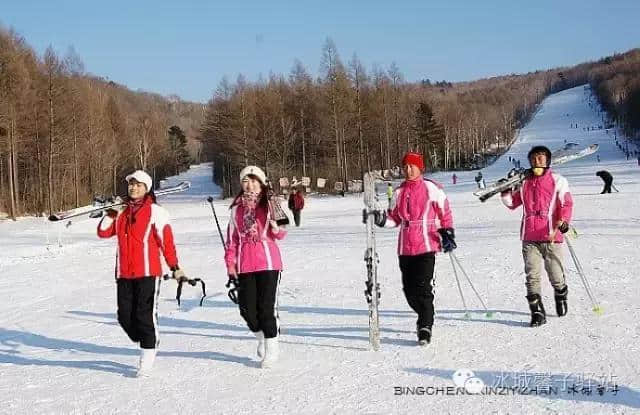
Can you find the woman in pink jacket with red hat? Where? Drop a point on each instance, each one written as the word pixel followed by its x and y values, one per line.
pixel 253 260
pixel 547 208
pixel 421 209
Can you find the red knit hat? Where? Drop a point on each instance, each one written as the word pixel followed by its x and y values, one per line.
pixel 415 159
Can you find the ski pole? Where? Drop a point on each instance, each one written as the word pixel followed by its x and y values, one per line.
pixel 596 307
pixel 580 270
pixel 232 283
pixel 190 281
pixel 215 216
pixel 455 273
pixel 486 310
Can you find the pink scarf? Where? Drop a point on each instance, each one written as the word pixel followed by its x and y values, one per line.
pixel 249 203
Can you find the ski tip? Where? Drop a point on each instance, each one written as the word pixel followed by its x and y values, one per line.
pixel 598 310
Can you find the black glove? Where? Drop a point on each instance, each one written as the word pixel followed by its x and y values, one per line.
pixel 564 227
pixel 448 239
pixel 379 218
pixel 233 286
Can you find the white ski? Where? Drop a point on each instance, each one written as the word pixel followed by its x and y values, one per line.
pixel 517 176
pixel 100 206
pixel 372 292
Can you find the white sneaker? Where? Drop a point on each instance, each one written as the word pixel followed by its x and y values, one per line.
pixel 147 357
pixel 271 353
pixel 260 336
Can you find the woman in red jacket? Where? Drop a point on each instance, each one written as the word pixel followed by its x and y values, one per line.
pixel 253 260
pixel 143 233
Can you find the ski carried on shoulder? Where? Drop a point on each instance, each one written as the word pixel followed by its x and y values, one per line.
pixel 517 176
pixel 100 205
pixel 372 291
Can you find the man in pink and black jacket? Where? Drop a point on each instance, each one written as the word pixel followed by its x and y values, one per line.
pixel 421 209
pixel 547 208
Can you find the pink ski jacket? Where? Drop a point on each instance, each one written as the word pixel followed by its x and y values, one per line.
pixel 244 255
pixel 420 208
pixel 546 201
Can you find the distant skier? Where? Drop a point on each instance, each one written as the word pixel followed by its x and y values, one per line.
pixel 607 178
pixel 480 180
pixel 296 204
pixel 253 260
pixel 421 208
pixel 548 207
pixel 143 233
pixel 389 193
pixel 454 178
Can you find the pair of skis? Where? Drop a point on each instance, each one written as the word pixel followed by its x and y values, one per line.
pixel 517 176
pixel 99 206
pixel 372 291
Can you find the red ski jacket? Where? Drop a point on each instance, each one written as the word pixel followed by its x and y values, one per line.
pixel 142 236
pixel 296 201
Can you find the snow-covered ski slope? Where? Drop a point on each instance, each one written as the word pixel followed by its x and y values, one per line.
pixel 62 351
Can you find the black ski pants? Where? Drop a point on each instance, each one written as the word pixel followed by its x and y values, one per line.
pixel 258 301
pixel 138 309
pixel 417 278
pixel 296 216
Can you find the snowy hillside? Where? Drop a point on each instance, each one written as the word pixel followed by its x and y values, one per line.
pixel 62 351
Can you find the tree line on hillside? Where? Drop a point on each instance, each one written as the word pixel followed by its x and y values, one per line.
pixel 66 136
pixel 350 120
pixel 616 83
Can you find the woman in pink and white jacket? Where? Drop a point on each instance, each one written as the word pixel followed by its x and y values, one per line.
pixel 547 208
pixel 253 260
pixel 421 209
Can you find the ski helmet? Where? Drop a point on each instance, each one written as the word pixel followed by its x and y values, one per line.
pixel 540 149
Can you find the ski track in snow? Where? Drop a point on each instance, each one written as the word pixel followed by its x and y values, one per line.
pixel 62 351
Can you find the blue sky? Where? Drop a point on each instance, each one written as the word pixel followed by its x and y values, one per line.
pixel 186 47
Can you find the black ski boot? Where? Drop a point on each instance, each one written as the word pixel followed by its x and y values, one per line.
pixel 424 336
pixel 538 316
pixel 561 301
